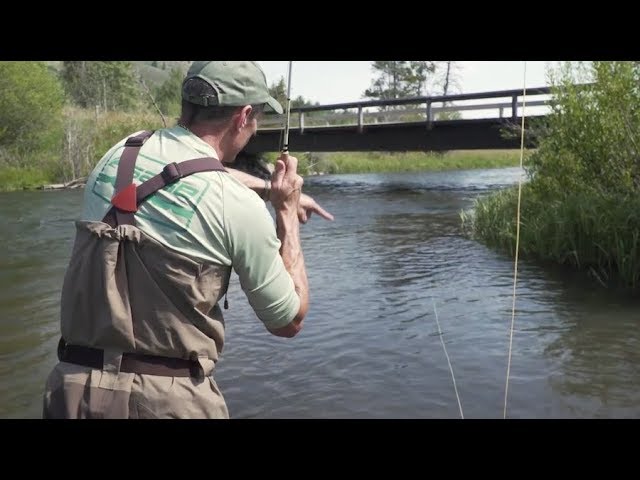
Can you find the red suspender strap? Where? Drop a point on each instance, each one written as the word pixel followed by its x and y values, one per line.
pixel 124 198
pixel 128 196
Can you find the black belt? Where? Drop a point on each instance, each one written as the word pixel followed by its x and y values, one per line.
pixel 131 362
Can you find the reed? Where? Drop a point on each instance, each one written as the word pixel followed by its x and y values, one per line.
pixel 595 233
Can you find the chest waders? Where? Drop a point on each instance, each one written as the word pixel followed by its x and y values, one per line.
pixel 126 200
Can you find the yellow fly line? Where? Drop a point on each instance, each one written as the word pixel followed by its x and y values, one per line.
pixel 515 267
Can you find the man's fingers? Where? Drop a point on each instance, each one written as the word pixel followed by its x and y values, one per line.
pixel 278 174
pixel 292 163
pixel 321 211
pixel 288 160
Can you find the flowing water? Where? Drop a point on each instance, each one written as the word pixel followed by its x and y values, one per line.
pixel 370 347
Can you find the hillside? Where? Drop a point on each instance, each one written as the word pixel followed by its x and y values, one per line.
pixel 153 72
pixel 156 72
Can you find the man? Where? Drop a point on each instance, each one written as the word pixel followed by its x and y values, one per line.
pixel 163 225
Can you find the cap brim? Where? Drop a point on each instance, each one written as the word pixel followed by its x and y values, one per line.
pixel 274 105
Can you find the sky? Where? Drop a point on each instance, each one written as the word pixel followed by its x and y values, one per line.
pixel 345 81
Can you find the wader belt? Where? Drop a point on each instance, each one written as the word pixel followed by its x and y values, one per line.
pixel 128 196
pixel 131 362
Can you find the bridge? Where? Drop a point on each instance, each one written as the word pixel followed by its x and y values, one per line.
pixel 422 124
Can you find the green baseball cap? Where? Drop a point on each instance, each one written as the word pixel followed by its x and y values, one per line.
pixel 236 84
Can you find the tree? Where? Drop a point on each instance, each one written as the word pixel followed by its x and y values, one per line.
pixel 390 82
pixel 169 95
pixel 112 85
pixel 590 141
pixel 446 78
pixel 420 72
pixel 279 92
pixel 446 82
pixel 31 101
pixel 399 79
pixel 300 101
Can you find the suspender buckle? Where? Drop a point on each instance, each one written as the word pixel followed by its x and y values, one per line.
pixel 171 172
pixel 139 140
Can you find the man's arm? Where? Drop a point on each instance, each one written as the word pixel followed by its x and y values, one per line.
pixel 254 183
pixel 306 206
pixel 285 196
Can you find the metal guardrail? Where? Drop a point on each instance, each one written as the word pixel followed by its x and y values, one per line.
pixel 427 114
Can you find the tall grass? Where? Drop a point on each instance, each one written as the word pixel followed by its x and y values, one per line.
pixel 596 233
pixel 84 138
pixel 380 162
pixel 16 178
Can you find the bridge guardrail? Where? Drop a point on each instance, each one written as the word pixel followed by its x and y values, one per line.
pixel 361 113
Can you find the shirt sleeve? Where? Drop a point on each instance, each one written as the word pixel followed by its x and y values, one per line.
pixel 255 256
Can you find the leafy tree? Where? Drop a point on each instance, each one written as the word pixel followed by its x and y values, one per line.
pixel 399 79
pixel 169 95
pixel 31 101
pixel 300 101
pixel 278 90
pixel 112 85
pixel 390 82
pixel 446 82
pixel 420 73
pixel 591 139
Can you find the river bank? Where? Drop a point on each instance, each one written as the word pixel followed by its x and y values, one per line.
pixel 398 162
pixel 311 163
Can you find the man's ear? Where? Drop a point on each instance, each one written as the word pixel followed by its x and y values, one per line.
pixel 243 118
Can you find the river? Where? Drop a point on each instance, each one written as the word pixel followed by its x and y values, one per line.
pixel 371 346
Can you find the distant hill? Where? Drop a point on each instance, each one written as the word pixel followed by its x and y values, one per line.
pixel 153 72
pixel 156 72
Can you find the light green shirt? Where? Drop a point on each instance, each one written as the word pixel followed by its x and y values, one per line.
pixel 207 216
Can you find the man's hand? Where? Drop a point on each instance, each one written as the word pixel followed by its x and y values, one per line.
pixel 286 184
pixel 308 206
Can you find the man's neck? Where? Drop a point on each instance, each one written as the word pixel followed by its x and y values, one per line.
pixel 209 137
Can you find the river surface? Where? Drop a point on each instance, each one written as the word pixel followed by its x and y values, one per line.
pixel 371 346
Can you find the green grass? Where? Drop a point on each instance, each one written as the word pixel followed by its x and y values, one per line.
pixel 115 126
pixel 593 233
pixel 15 178
pixel 91 138
pixel 381 162
pixel 418 161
